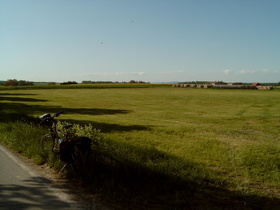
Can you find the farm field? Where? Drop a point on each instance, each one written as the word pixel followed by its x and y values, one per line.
pixel 221 148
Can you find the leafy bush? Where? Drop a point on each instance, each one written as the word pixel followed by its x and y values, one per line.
pixel 83 130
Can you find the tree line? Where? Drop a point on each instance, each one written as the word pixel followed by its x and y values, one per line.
pixel 109 82
pixel 14 82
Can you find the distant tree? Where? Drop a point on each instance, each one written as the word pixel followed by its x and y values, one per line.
pixel 134 81
pixel 24 83
pixel 51 83
pixel 69 83
pixel 11 82
pixel 14 82
pixel 97 82
pixel 86 82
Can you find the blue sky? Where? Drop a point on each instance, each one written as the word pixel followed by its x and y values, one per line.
pixel 148 40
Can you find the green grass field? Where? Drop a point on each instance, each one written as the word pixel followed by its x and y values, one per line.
pixel 180 147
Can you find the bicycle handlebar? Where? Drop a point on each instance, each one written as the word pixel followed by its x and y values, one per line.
pixel 47 117
pixel 57 114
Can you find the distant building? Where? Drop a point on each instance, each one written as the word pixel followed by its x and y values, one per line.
pixel 256 84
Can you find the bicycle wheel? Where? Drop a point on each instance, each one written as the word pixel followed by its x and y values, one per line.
pixel 48 143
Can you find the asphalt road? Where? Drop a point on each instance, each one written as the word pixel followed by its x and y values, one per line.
pixel 22 187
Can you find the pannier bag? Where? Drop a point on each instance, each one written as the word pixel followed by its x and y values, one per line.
pixel 68 152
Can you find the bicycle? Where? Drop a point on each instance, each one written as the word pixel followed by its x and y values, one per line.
pixel 71 150
pixel 52 140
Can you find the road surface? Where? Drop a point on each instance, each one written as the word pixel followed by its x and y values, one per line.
pixel 22 187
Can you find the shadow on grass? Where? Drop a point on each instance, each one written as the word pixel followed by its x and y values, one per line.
pixel 158 180
pixel 132 177
pixel 20 99
pixel 16 94
pixel 14 97
pixel 18 111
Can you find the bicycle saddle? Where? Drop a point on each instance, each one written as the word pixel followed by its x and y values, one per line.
pixel 46 116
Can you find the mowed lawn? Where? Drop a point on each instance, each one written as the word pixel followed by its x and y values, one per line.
pixel 232 133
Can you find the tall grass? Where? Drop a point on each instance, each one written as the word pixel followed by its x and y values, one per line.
pixel 166 148
pixel 21 135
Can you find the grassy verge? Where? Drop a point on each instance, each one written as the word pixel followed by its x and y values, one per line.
pixel 165 148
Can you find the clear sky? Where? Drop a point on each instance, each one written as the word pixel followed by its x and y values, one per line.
pixel 148 40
